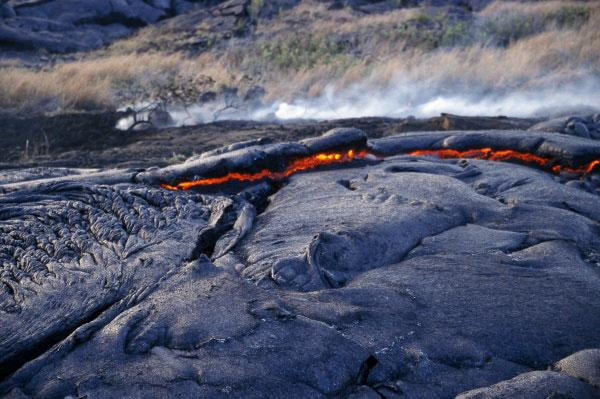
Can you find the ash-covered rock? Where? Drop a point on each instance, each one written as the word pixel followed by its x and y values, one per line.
pixel 401 275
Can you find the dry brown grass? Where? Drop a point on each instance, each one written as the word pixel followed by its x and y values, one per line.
pixel 87 84
pixel 315 17
pixel 536 8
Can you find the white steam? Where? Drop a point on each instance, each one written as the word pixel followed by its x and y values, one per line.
pixel 403 98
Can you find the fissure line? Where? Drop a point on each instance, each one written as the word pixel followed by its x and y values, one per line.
pixel 510 155
pixel 297 165
pixel 332 158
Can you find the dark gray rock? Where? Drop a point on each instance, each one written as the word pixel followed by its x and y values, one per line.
pixel 553 125
pixel 231 8
pixel 584 126
pixel 54 42
pixel 336 138
pixel 470 239
pixel 577 129
pixel 160 118
pixel 6 10
pixel 91 237
pixel 364 392
pixel 161 4
pixel 77 12
pixel 566 148
pixel 232 147
pixel 271 9
pixel 40 179
pixel 402 277
pixel 252 158
pixel 182 6
pixel 62 26
pixel 327 250
pixel 40 173
pixel 595 131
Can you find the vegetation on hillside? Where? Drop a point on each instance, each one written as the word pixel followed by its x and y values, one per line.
pixel 305 49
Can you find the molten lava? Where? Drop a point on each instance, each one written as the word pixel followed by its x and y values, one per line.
pixel 297 165
pixel 509 155
pixel 331 158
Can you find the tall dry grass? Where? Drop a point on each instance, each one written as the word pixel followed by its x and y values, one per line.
pixel 87 84
pixel 550 56
pixel 535 8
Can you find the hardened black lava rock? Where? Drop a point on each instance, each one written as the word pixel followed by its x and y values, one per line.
pixel 62 26
pixel 397 276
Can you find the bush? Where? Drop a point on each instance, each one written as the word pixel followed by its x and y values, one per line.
pixel 297 53
pixel 254 8
pixel 504 30
pixel 570 16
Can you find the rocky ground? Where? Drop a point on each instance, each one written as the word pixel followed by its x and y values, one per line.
pixel 91 139
pixel 393 265
pixel 365 258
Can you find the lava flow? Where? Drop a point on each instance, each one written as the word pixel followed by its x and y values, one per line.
pixel 297 165
pixel 331 158
pixel 509 155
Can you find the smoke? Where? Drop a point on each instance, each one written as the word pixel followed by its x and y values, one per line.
pixel 403 98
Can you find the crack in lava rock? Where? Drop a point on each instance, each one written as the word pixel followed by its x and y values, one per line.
pixel 298 165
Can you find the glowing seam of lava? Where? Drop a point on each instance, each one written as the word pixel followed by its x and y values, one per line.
pixel 298 165
pixel 507 155
pixel 323 159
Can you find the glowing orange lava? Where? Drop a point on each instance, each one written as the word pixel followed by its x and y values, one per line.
pixel 331 158
pixel 297 165
pixel 509 155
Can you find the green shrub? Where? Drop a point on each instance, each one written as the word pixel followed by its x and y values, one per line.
pixel 295 53
pixel 455 34
pixel 254 8
pixel 508 29
pixel 570 16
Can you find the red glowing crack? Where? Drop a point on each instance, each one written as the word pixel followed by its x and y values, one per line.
pixel 509 155
pixel 332 158
pixel 297 165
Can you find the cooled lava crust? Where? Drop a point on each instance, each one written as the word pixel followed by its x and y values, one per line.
pixel 429 264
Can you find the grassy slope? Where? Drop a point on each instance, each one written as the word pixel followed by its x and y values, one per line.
pixel 302 50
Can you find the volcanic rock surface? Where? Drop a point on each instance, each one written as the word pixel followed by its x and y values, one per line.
pixel 382 268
